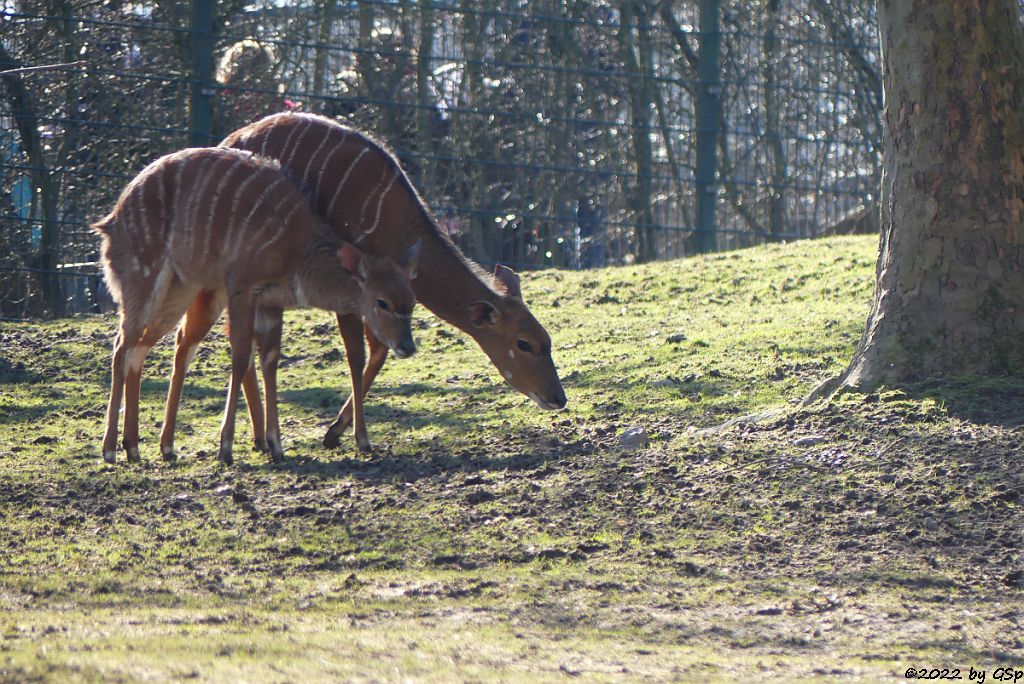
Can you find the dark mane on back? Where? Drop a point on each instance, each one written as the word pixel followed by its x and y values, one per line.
pixel 443 240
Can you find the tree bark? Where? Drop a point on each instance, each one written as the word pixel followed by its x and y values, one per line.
pixel 949 297
pixel 45 187
pixel 773 122
pixel 633 13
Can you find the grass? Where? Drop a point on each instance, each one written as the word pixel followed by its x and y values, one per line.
pixel 484 540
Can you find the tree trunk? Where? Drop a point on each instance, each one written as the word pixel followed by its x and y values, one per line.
pixel 633 13
pixel 328 9
pixel 949 297
pixel 773 121
pixel 45 186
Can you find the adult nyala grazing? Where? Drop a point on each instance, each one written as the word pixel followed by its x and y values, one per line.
pixel 204 229
pixel 360 189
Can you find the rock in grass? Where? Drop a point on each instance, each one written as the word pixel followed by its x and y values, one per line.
pixel 634 438
pixel 810 440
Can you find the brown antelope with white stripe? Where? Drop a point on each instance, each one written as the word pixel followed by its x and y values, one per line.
pixel 205 229
pixel 364 195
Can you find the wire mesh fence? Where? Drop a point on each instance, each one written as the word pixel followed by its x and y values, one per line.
pixel 541 133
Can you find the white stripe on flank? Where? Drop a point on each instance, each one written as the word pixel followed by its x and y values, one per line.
pixel 143 218
pixel 215 200
pixel 268 133
pixel 192 211
pixel 369 196
pixel 178 222
pixel 309 162
pixel 299 142
pixel 260 203
pixel 380 203
pixel 323 167
pixel 282 227
pixel 288 141
pixel 163 220
pixel 234 220
pixel 135 220
pixel 337 191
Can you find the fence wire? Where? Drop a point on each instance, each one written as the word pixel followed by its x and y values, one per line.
pixel 541 133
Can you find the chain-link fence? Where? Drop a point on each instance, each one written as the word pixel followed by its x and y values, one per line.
pixel 567 133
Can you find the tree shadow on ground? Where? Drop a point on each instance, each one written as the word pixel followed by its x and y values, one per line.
pixel 20 413
pixel 475 408
pixel 998 402
pixel 384 466
pixel 13 372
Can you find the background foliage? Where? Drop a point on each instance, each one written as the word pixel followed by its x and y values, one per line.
pixel 543 133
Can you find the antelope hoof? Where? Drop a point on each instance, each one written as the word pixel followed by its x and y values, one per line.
pixel 133 454
pixel 225 456
pixel 332 438
pixel 261 445
pixel 276 452
pixel 168 453
pixel 110 457
pixel 363 445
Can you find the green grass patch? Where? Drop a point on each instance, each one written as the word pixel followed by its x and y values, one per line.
pixel 484 540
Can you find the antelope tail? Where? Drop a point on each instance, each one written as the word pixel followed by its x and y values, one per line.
pixel 102 227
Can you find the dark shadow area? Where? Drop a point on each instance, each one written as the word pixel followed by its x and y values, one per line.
pixel 323 401
pixel 997 402
pixel 18 413
pixel 385 467
pixel 151 389
pixel 13 372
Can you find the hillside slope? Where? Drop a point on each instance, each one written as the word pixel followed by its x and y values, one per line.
pixel 485 540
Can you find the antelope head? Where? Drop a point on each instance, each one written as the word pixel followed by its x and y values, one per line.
pixel 386 298
pixel 516 343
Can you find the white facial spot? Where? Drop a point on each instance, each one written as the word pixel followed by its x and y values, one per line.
pixel 511 353
pixel 507 375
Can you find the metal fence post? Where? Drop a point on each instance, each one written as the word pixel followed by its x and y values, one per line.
pixel 709 108
pixel 201 44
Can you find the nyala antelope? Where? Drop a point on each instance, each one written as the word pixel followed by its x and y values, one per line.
pixel 366 198
pixel 204 229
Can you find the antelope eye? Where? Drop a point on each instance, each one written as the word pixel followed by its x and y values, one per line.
pixel 383 305
pixel 524 346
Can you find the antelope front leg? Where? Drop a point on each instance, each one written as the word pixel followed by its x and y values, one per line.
pixel 240 312
pixel 352 334
pixel 268 330
pixel 378 355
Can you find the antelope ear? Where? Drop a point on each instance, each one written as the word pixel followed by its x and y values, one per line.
pixel 410 259
pixel 506 279
pixel 352 260
pixel 483 313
